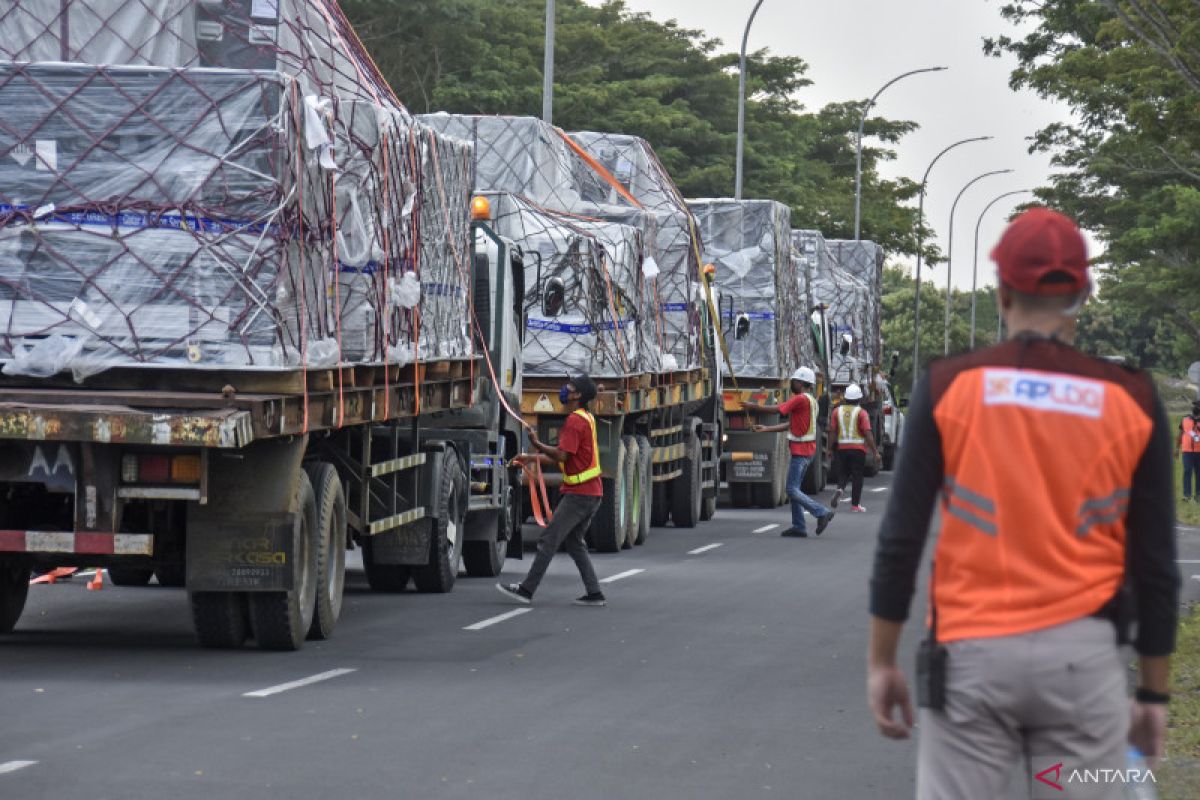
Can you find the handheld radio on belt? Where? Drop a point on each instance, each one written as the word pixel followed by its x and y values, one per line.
pixel 932 660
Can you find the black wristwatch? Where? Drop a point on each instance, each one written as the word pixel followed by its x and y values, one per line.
pixel 1151 697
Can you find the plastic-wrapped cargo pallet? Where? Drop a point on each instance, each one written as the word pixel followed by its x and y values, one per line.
pixel 749 242
pixel 235 188
pixel 846 300
pixel 864 260
pixel 581 289
pixel 634 164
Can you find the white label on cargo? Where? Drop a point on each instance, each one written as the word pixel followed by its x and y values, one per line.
pixel 260 34
pixel 265 9
pixel 80 312
pixel 43 211
pixel 21 154
pixel 207 31
pixel 47 154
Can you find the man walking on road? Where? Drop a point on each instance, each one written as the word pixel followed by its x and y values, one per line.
pixel 801 411
pixel 849 437
pixel 1189 443
pixel 1054 471
pixel 578 455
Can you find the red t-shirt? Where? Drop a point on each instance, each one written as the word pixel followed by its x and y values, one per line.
pixel 799 412
pixel 577 441
pixel 864 427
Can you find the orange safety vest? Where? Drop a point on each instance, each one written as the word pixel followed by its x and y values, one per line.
pixel 809 435
pixel 1189 437
pixel 1038 471
pixel 594 470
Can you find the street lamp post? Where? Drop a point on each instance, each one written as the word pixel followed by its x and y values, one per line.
pixel 548 67
pixel 862 121
pixel 950 247
pixel 920 248
pixel 975 268
pixel 741 131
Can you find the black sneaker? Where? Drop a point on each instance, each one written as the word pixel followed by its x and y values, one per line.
pixel 794 533
pixel 824 521
pixel 591 599
pixel 837 498
pixel 514 592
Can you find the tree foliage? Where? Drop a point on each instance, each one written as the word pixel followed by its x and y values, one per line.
pixel 625 72
pixel 1129 160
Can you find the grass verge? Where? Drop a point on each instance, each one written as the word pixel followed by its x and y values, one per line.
pixel 1179 776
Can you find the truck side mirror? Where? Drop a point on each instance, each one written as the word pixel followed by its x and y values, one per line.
pixel 554 296
pixel 741 328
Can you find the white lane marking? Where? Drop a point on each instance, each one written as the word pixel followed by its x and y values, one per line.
pixel 704 549
pixel 1188 561
pixel 1196 577
pixel 490 621
pixel 880 489
pixel 283 687
pixel 13 766
pixel 620 575
pixel 766 528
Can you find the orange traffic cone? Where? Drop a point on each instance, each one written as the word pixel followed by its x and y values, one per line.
pixel 96 583
pixel 53 575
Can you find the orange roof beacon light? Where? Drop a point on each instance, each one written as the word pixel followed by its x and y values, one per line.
pixel 710 270
pixel 481 209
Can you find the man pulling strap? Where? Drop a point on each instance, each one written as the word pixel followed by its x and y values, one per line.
pixel 578 456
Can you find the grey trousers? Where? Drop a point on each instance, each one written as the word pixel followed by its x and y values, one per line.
pixel 572 517
pixel 1020 705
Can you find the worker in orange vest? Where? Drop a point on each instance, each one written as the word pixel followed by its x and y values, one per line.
pixel 1189 443
pixel 578 456
pixel 1054 474
pixel 850 438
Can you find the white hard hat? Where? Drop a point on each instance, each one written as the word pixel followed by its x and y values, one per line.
pixel 805 375
pixel 853 392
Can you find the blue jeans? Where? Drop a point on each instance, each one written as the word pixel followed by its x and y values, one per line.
pixel 800 501
pixel 1191 466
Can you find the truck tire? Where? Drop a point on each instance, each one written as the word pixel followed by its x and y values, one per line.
pixel 383 578
pixel 130 576
pixel 446 547
pixel 660 503
pixel 485 558
pixel 281 620
pixel 739 494
pixel 889 457
pixel 646 459
pixel 633 490
pixel 172 576
pixel 220 618
pixel 331 549
pixel 763 494
pixel 872 468
pixel 814 478
pixel 685 491
pixel 14 589
pixel 609 524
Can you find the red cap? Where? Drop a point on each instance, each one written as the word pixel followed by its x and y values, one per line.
pixel 1037 245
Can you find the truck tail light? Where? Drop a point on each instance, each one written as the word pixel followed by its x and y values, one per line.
pixel 185 469
pixel 129 468
pixel 154 469
pixel 160 468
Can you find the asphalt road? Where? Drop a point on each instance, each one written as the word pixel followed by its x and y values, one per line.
pixel 733 672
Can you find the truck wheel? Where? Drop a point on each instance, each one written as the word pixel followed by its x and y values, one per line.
pixel 646 459
pixel 889 457
pixel 783 459
pixel 130 576
pixel 14 588
pixel 173 576
pixel 220 618
pixel 872 468
pixel 611 520
pixel 331 548
pixel 660 503
pixel 634 499
pixel 437 577
pixel 685 491
pixel 739 494
pixel 814 478
pixel 390 578
pixel 763 494
pixel 281 620
pixel 485 558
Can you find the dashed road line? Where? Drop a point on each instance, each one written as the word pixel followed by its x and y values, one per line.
pixel 766 528
pixel 1188 561
pixel 1196 577
pixel 13 766
pixel 283 687
pixel 704 549
pixel 629 573
pixel 880 489
pixel 496 620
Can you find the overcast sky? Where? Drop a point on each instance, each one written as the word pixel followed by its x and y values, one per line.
pixel 856 46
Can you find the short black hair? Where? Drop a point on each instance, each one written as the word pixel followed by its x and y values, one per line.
pixel 586 388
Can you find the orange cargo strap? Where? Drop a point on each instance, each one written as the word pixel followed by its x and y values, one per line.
pixel 600 170
pixel 539 496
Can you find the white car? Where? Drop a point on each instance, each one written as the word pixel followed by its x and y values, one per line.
pixel 893 429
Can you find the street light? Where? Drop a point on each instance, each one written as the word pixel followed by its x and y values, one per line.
pixel 920 248
pixel 975 268
pixel 862 121
pixel 950 246
pixel 548 67
pixel 741 131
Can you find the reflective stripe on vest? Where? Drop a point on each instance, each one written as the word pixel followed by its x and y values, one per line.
pixel 809 435
pixel 848 432
pixel 969 506
pixel 594 470
pixel 1102 511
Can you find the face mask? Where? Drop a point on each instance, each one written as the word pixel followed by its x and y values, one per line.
pixel 564 394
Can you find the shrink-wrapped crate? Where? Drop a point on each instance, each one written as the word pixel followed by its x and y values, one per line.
pixel 842 299
pixel 258 200
pixel 864 260
pixel 761 300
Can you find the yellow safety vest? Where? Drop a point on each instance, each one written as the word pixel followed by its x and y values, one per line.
pixel 594 470
pixel 848 426
pixel 809 435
